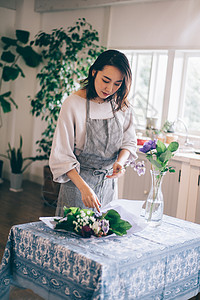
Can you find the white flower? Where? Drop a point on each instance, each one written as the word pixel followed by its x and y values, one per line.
pixel 92 219
pixel 96 227
pixel 82 214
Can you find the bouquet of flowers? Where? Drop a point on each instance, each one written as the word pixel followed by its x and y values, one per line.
pixel 85 222
pixel 159 155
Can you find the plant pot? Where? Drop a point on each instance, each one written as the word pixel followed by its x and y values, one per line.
pixel 16 182
pixel 1 170
pixel 50 189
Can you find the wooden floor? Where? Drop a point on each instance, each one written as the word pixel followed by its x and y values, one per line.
pixel 19 208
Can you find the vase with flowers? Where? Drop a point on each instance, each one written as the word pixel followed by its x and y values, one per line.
pixel 159 155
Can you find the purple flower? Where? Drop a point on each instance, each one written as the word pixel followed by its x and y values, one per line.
pixel 150 145
pixel 105 226
pixel 86 231
pixel 140 168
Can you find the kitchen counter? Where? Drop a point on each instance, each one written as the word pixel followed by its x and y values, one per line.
pixel 191 158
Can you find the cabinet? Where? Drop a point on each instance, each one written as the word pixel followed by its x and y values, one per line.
pixel 170 188
pixel 188 200
pixel 197 215
pixel 134 187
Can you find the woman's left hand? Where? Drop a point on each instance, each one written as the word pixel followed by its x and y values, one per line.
pixel 118 170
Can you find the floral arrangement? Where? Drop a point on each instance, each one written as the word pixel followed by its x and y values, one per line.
pixel 86 223
pixel 159 155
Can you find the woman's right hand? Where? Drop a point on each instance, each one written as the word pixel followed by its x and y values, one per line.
pixel 89 197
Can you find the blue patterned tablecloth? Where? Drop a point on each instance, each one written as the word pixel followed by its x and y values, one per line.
pixel 155 263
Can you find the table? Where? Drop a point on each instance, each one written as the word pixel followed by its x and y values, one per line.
pixel 155 263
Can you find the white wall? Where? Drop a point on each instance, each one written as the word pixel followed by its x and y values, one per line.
pixel 165 25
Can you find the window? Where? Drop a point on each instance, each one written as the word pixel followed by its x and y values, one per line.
pixel 166 86
pixel 190 111
pixel 147 92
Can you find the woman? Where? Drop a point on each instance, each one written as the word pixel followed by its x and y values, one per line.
pixel 94 134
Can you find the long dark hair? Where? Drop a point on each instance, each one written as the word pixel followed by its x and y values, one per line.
pixel 110 58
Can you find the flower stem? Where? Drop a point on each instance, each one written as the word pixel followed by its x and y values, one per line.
pixel 156 185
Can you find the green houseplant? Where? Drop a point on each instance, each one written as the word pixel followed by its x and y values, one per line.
pixel 67 56
pixel 13 50
pixel 18 165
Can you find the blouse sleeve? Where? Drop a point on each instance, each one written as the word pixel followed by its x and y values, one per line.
pixel 129 137
pixel 62 158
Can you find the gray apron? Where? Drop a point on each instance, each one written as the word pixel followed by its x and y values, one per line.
pixel 102 143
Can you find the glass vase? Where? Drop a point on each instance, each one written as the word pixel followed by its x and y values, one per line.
pixel 154 203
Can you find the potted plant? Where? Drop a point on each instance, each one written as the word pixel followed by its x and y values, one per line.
pixel 67 56
pixel 13 50
pixel 18 165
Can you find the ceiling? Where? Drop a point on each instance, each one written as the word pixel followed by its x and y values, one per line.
pixel 60 5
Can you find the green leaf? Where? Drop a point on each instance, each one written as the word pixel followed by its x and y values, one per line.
pixel 7 94
pixel 9 41
pixel 112 215
pixel 72 210
pixel 173 146
pixel 160 147
pixel 117 225
pixel 31 58
pixel 154 162
pixel 10 73
pixel 66 211
pixel 165 156
pixel 6 107
pixel 22 36
pixel 5 104
pixel 8 57
pixel 13 102
pixel 20 70
pixel 21 142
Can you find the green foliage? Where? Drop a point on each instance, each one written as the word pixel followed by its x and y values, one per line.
pixel 117 225
pixel 67 57
pixel 160 158
pixel 14 49
pixel 16 158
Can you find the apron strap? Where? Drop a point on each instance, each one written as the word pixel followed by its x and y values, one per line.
pixel 87 110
